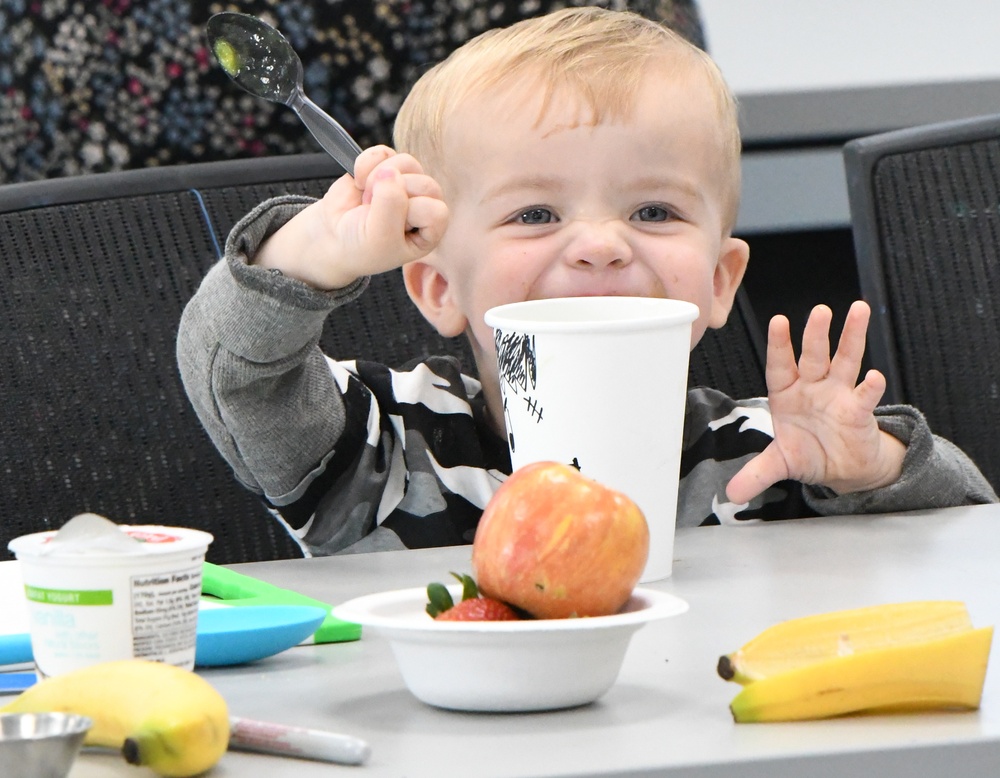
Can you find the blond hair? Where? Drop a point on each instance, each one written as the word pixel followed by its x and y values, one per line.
pixel 600 54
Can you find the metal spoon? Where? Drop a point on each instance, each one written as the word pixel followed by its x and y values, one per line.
pixel 261 61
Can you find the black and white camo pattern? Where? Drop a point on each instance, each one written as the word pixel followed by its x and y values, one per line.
pixel 425 463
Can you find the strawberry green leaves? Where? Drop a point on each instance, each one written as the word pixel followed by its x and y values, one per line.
pixel 440 599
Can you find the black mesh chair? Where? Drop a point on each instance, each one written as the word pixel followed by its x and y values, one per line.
pixel 924 206
pixel 731 359
pixel 96 272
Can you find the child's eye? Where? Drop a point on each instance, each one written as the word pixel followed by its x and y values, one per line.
pixel 652 213
pixel 536 216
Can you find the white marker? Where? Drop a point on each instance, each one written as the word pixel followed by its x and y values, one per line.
pixel 280 740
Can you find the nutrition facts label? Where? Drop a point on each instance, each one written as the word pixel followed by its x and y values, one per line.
pixel 164 612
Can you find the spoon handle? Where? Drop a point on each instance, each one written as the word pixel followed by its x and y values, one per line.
pixel 327 131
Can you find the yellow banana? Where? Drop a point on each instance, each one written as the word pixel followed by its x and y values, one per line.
pixel 902 656
pixel 945 672
pixel 800 642
pixel 168 719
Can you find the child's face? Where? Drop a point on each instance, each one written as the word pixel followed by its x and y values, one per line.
pixel 563 209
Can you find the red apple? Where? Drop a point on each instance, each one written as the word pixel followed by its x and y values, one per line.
pixel 558 544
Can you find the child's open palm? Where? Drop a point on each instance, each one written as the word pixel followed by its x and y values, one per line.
pixel 824 427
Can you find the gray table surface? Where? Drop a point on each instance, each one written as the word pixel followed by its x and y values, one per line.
pixel 668 713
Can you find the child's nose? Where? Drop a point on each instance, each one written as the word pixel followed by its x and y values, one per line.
pixel 597 246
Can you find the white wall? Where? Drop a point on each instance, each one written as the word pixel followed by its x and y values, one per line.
pixel 800 45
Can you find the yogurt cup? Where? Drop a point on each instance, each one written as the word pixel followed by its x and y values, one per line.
pixel 99 592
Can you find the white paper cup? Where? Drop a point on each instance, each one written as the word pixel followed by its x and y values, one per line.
pixel 89 605
pixel 600 383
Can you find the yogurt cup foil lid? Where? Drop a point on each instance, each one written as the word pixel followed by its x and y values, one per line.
pixel 91 535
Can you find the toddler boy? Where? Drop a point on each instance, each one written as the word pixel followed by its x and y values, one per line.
pixel 586 152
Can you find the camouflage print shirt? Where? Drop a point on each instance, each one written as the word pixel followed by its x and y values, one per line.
pixel 355 456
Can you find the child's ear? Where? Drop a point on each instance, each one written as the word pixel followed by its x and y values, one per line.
pixel 432 294
pixel 733 257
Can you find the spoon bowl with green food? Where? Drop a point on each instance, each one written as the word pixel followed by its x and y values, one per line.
pixel 262 61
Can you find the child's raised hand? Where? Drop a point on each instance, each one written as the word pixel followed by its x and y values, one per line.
pixel 824 428
pixel 389 213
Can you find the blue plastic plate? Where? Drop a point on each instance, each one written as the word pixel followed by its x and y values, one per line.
pixel 15 649
pixel 232 636
pixel 226 636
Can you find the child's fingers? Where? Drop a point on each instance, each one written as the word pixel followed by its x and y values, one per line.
pixel 420 185
pixel 764 470
pixel 386 221
pixel 869 392
pixel 368 168
pixel 426 221
pixel 814 362
pixel 846 363
pixel 780 370
pixel 367 161
pixel 401 223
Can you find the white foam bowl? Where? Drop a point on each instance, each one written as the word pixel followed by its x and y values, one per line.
pixel 505 666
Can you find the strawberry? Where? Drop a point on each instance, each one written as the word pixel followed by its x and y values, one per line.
pixel 472 607
pixel 479 609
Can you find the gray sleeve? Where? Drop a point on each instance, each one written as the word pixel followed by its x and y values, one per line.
pixel 936 474
pixel 248 354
